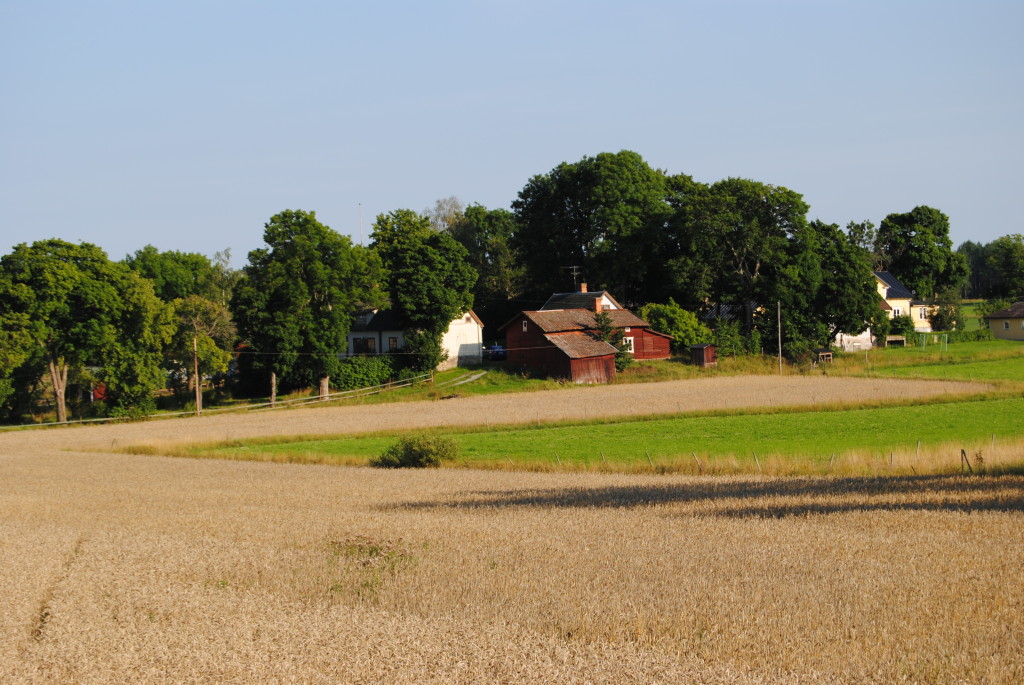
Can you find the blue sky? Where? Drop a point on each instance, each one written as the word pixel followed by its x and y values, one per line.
pixel 186 125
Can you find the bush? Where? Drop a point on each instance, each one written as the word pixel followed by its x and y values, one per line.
pixel 902 325
pixel 363 372
pixel 977 335
pixel 684 327
pixel 417 452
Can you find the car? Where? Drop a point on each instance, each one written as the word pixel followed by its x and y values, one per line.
pixel 496 353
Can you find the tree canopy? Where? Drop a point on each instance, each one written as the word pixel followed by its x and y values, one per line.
pixel 80 309
pixel 917 248
pixel 429 280
pixel 295 302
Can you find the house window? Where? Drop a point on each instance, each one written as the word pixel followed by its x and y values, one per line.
pixel 896 311
pixel 627 329
pixel 921 313
pixel 629 345
pixel 524 325
pixel 371 345
pixel 392 344
pixel 1006 325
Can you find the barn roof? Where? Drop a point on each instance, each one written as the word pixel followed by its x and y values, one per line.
pixel 1014 311
pixel 578 300
pixel 580 345
pixel 557 320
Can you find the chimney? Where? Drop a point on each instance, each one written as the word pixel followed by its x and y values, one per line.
pixel 597 304
pixel 583 287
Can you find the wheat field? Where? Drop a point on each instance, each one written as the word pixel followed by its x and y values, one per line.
pixel 120 568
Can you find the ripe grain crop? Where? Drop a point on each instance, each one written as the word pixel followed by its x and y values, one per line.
pixel 119 568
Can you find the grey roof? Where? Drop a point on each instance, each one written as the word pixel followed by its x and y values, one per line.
pixel 893 288
pixel 1014 311
pixel 580 345
pixel 385 320
pixel 577 300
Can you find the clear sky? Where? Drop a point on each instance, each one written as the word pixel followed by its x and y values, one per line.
pixel 187 124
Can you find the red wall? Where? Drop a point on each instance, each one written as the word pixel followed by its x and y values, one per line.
pixel 649 345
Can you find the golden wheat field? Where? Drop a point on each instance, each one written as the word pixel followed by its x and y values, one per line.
pixel 121 568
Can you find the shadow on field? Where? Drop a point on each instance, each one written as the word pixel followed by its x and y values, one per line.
pixel 769 498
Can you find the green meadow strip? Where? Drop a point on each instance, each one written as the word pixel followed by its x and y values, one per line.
pixel 809 434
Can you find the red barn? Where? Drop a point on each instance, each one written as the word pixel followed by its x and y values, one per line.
pixel 564 343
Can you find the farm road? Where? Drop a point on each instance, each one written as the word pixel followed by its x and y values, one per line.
pixel 734 392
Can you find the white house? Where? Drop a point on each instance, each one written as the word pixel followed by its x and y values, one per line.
pixel 897 300
pixel 380 332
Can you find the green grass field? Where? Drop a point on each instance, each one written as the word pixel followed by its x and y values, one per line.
pixel 813 435
pixel 801 436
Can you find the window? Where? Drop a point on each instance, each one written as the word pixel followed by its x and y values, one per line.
pixel 626 330
pixel 524 325
pixel 371 345
pixel 922 313
pixel 896 311
pixel 1006 325
pixel 364 345
pixel 629 345
pixel 392 344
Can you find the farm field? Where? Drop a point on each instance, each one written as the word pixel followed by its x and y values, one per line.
pixel 124 568
pixel 808 436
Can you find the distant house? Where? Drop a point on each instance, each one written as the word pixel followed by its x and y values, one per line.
pixel 380 332
pixel 897 300
pixel 560 339
pixel 1008 324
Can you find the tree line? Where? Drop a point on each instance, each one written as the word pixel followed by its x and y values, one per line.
pixel 71 318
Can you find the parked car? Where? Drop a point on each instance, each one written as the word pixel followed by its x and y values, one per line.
pixel 496 353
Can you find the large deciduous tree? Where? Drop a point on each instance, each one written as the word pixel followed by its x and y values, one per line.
pixel 602 214
pixel 917 248
pixel 80 309
pixel 297 296
pixel 430 280
pixel 1006 260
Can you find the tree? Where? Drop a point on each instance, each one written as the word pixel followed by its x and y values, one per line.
pixel 847 296
pixel 487 236
pixel 602 214
pixel 446 213
pixel 295 301
pixel 79 308
pixel 918 249
pixel 865 236
pixel 202 341
pixel 607 332
pixel 1006 259
pixel 684 327
pixel 982 278
pixel 430 281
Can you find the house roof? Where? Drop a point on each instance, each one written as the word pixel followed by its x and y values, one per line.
pixel 387 320
pixel 1014 311
pixel 893 288
pixel 559 320
pixel 580 345
pixel 578 300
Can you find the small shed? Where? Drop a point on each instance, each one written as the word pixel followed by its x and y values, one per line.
pixel 704 355
pixel 822 355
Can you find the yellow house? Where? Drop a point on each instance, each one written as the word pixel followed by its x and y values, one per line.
pixel 898 300
pixel 1008 324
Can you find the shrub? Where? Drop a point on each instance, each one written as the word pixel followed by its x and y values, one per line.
pixel 417 452
pixel 363 372
pixel 902 325
pixel 684 327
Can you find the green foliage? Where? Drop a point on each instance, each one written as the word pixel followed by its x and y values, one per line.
pixel 1006 259
pixel 80 309
pixel 430 281
pixel 364 372
pixel 296 299
pixel 947 316
pixel 487 237
pixel 684 326
pixel 614 337
pixel 991 306
pixel 916 246
pixel 902 325
pixel 418 452
pixel 602 214
pixel 977 335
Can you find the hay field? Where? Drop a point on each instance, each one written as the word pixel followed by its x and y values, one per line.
pixel 150 569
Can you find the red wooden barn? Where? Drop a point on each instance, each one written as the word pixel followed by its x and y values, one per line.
pixel 563 342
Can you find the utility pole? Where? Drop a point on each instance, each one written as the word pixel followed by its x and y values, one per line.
pixel 779 326
pixel 195 375
pixel 575 270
